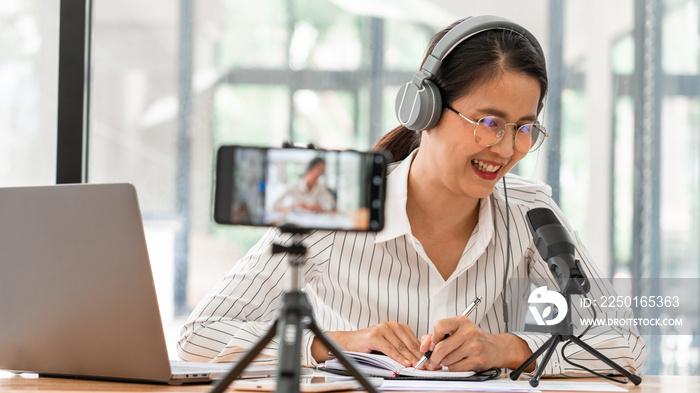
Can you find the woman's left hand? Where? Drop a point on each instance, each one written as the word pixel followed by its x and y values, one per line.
pixel 470 348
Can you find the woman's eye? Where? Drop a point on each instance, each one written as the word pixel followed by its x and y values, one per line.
pixel 490 122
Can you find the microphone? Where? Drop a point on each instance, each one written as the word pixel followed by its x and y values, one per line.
pixel 555 246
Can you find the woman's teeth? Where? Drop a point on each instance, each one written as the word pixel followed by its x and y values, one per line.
pixel 488 168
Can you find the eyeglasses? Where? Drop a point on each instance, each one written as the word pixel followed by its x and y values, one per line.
pixel 489 130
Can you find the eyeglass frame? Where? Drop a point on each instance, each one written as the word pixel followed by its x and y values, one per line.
pixel 505 129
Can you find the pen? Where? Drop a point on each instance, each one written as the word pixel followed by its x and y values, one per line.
pixel 466 313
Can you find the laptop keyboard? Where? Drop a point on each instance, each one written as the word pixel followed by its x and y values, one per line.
pixel 179 367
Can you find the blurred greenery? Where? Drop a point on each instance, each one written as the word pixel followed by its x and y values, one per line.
pixel 251 114
pixel 623 185
pixel 245 237
pixel 406 44
pixel 303 34
pixel 574 170
pixel 255 38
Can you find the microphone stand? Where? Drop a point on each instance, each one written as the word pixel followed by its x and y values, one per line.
pixel 564 331
pixel 295 315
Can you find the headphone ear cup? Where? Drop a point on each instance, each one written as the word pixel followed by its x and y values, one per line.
pixel 417 108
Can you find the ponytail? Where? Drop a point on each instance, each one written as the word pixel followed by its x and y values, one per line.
pixel 400 142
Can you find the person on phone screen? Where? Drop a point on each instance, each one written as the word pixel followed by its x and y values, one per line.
pixel 455 229
pixel 307 194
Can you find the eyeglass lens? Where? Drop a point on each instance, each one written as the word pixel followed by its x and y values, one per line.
pixel 490 129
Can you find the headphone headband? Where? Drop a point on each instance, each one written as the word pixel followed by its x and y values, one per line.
pixel 469 28
pixel 418 103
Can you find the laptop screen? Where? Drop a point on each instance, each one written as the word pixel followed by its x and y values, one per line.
pixel 76 289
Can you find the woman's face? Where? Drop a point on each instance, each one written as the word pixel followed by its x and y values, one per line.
pixel 457 160
pixel 316 172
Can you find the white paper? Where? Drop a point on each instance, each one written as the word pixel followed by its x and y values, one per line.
pixel 384 366
pixel 454 386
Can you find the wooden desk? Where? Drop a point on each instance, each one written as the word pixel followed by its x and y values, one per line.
pixel 651 384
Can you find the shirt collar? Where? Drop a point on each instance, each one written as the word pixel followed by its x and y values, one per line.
pixel 396 222
pixel 395 218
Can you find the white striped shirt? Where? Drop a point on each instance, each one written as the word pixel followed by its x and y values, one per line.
pixel 355 280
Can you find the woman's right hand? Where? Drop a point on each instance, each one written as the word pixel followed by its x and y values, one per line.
pixel 390 338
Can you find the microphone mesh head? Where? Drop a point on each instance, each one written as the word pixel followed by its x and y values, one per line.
pixel 540 217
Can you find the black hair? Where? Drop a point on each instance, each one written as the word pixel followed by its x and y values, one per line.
pixel 315 161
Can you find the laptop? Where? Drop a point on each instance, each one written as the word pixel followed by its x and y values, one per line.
pixel 77 296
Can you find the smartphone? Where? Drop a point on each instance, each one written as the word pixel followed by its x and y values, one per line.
pixel 306 383
pixel 300 188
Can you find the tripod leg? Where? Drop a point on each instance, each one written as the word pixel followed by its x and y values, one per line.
pixel 221 385
pixel 636 379
pixel 515 374
pixel 346 362
pixel 556 339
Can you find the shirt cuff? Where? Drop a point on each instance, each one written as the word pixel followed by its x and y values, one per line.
pixel 306 340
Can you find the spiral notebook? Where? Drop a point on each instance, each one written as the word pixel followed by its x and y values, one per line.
pixel 376 365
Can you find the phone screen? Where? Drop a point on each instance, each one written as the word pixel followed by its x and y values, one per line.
pixel 300 188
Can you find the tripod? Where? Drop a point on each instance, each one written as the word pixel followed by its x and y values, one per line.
pixel 295 315
pixel 561 332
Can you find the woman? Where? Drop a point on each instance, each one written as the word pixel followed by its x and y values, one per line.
pixel 307 193
pixel 450 235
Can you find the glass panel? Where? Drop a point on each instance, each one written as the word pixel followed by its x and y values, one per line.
pixel 251 114
pixel 622 56
pixel 680 187
pixel 575 171
pixel 680 37
pixel 134 123
pixel 624 185
pixel 325 118
pixel 263 26
pixel 589 60
pixel 28 91
pixel 325 37
pixel 678 167
pixel 680 216
pixel 389 120
pixel 284 69
pixel 406 45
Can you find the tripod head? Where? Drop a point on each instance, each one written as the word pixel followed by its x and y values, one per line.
pixel 296 254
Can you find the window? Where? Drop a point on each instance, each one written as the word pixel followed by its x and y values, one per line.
pixel 28 91
pixel 174 80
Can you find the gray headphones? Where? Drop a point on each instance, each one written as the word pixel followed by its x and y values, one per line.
pixel 418 102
